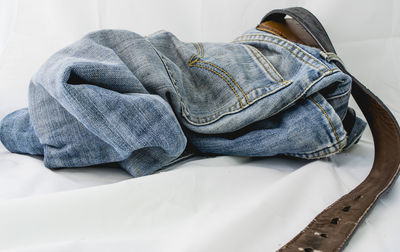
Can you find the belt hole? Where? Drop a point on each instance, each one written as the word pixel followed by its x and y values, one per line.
pixel 309 250
pixel 346 208
pixel 358 197
pixel 306 249
pixel 322 235
pixel 335 221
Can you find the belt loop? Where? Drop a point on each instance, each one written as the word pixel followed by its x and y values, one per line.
pixel 329 56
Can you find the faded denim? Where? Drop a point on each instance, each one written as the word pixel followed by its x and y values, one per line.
pixel 146 102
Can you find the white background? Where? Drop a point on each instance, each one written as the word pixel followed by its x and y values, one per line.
pixel 214 204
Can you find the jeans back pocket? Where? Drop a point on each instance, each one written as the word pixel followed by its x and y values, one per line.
pixel 220 79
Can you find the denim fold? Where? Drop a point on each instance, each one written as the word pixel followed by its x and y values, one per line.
pixel 145 102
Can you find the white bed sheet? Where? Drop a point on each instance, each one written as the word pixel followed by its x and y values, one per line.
pixel 203 204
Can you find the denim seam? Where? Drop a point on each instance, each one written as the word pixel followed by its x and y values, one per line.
pixel 120 50
pixel 212 118
pixel 338 96
pixel 173 81
pixel 199 50
pixel 221 69
pixel 227 82
pixel 258 56
pixel 194 60
pixel 219 115
pixel 327 117
pixel 307 88
pixel 321 153
pixel 256 51
pixel 216 117
pixel 249 39
pixel 288 49
pixel 229 76
pixel 285 41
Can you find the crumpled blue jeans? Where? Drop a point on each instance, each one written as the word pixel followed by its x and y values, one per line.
pixel 146 102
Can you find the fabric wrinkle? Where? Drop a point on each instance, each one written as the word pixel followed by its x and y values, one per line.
pixel 148 102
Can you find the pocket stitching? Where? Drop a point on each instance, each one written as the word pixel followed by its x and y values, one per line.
pixel 207 68
pixel 253 37
pixel 173 81
pixel 256 52
pixel 194 59
pixel 327 117
pixel 195 120
pixel 230 110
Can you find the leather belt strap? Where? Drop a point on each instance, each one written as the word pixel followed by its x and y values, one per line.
pixel 332 228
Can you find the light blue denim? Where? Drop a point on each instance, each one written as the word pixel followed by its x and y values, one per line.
pixel 146 102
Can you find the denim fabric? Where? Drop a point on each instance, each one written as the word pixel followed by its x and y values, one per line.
pixel 145 102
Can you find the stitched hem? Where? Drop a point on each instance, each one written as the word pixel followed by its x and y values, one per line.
pixel 322 153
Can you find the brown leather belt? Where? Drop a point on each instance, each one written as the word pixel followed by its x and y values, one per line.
pixel 332 228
